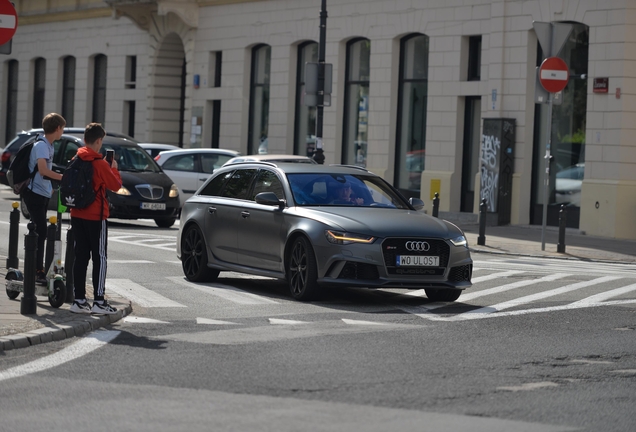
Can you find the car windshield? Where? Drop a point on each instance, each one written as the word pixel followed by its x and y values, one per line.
pixel 320 189
pixel 131 158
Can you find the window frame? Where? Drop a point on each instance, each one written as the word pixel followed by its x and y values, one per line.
pixel 253 147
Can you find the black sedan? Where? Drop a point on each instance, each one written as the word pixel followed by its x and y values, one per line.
pixel 317 225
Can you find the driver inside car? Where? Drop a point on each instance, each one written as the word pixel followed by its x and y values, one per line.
pixel 343 195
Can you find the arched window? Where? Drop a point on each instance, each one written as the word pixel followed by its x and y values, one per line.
pixel 411 126
pixel 259 100
pixel 305 124
pixel 12 100
pixel 68 89
pixel 39 80
pixel 99 89
pixel 354 142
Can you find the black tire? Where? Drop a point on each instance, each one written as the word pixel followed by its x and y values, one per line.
pixel 24 209
pixel 56 299
pixel 194 257
pixel 12 294
pixel 165 222
pixel 302 271
pixel 445 295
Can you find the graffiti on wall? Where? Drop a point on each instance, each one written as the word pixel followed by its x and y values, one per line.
pixel 490 147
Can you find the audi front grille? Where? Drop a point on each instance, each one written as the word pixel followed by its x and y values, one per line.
pixel 391 247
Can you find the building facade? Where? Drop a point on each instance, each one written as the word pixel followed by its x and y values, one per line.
pixel 435 96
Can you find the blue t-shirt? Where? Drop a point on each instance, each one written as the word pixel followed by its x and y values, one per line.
pixel 42 149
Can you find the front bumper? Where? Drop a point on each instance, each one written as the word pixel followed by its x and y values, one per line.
pixel 129 207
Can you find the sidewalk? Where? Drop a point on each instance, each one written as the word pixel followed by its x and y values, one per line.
pixel 17 331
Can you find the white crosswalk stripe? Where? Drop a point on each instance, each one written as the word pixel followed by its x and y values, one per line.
pixel 225 292
pixel 139 294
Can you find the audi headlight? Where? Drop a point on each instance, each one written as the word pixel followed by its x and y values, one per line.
pixel 174 191
pixel 344 238
pixel 123 191
pixel 459 241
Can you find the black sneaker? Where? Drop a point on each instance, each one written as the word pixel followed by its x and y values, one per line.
pixel 40 277
pixel 80 308
pixel 103 309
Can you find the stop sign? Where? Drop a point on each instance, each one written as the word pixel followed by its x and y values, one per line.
pixel 8 21
pixel 554 74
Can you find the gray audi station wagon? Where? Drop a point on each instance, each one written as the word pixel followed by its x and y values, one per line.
pixel 317 225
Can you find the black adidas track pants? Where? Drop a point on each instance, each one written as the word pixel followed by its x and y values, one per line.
pixel 91 241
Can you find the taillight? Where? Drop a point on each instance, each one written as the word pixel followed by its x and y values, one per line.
pixel 6 156
pixel 157 158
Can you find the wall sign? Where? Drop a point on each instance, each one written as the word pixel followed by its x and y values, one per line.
pixel 601 85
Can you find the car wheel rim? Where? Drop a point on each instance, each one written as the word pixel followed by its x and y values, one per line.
pixel 192 251
pixel 298 268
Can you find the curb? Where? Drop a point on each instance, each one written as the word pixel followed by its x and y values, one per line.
pixel 77 327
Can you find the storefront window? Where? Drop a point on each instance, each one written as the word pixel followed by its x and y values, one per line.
pixel 305 133
pixel 259 100
pixel 354 145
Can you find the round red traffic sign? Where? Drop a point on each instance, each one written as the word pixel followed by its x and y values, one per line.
pixel 554 74
pixel 8 21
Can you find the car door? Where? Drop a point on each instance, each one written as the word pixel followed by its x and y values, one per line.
pixel 223 213
pixel 182 170
pixel 260 235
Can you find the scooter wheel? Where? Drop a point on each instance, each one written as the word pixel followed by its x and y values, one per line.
pixel 10 293
pixel 57 297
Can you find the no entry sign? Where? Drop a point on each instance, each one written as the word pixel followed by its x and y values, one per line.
pixel 8 21
pixel 554 74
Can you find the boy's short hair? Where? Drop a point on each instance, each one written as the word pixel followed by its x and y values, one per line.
pixel 93 132
pixel 51 122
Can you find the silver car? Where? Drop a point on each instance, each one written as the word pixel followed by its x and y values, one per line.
pixel 317 225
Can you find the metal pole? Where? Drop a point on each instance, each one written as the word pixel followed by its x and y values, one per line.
pixel 562 224
pixel 436 205
pixel 69 260
pixel 319 155
pixel 51 231
pixel 14 227
pixel 29 302
pixel 546 174
pixel 483 207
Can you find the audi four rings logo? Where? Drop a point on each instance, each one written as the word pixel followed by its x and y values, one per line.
pixel 417 246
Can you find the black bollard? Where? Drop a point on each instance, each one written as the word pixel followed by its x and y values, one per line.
pixel 436 205
pixel 562 222
pixel 69 259
pixel 29 303
pixel 481 240
pixel 14 227
pixel 50 243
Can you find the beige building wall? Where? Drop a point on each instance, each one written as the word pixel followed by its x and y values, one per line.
pixel 55 28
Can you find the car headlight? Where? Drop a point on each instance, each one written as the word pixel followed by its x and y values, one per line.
pixel 459 241
pixel 123 191
pixel 344 238
pixel 174 191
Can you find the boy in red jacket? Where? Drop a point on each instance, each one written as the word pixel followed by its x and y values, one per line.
pixel 90 228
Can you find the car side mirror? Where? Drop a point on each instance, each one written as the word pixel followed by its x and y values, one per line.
pixel 270 198
pixel 416 203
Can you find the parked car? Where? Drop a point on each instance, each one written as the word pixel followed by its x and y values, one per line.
pixel 284 221
pixel 271 158
pixel 11 149
pixel 190 168
pixel 154 149
pixel 568 185
pixel 147 192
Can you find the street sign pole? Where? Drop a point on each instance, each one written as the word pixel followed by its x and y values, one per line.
pixel 546 174
pixel 319 155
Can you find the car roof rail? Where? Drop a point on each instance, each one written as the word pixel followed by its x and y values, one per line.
pixel 254 162
pixel 351 166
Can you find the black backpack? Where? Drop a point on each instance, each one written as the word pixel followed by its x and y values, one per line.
pixel 76 187
pixel 18 174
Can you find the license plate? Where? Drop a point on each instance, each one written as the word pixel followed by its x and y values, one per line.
pixel 416 261
pixel 152 206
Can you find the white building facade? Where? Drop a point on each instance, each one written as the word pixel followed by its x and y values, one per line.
pixel 415 85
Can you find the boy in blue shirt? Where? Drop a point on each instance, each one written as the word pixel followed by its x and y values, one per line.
pixel 37 194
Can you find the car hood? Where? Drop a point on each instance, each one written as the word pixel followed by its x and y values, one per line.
pixel 381 222
pixel 131 178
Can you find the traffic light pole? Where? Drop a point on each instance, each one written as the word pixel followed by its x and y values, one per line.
pixel 319 155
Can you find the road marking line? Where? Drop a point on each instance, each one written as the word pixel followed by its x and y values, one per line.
pixel 496 276
pixel 214 322
pixel 85 345
pixel 110 261
pixel 286 322
pixel 139 294
pixel 532 297
pixel 359 322
pixel 529 386
pixel 606 295
pixel 508 287
pixel 225 291
pixel 142 320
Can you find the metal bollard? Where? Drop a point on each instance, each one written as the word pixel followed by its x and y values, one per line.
pixel 29 303
pixel 69 260
pixel 436 205
pixel 50 242
pixel 481 240
pixel 562 222
pixel 14 227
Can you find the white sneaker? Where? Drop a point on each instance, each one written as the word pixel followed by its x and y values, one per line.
pixel 80 308
pixel 103 309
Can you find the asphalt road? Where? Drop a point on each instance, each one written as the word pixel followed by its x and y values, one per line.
pixel 528 348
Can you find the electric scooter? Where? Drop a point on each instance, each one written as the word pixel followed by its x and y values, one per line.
pixel 55 287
